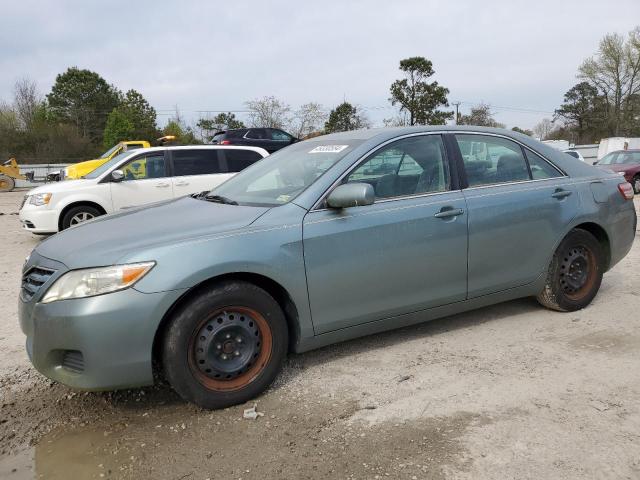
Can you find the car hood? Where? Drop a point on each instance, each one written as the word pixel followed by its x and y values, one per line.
pixel 64 186
pixel 620 167
pixel 107 239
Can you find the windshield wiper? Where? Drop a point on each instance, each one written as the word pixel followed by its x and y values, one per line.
pixel 220 199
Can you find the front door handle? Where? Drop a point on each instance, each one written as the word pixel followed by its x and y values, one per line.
pixel 182 184
pixel 560 193
pixel 447 212
pixel 162 185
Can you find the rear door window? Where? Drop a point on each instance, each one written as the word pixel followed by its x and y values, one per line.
pixel 280 136
pixel 238 160
pixel 258 134
pixel 492 160
pixel 196 162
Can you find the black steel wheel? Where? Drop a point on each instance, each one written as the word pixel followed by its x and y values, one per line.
pixel 225 345
pixel 575 273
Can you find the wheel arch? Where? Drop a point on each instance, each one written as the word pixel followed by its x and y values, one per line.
pixel 273 288
pixel 603 239
pixel 86 203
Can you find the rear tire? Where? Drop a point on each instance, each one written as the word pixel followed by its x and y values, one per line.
pixel 575 273
pixel 635 183
pixel 225 345
pixel 7 183
pixel 78 215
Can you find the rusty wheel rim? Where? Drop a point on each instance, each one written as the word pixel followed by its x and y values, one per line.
pixel 578 272
pixel 230 348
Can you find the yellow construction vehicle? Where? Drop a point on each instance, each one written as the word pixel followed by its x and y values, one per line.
pixel 9 173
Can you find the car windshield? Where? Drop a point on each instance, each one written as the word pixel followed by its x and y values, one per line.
pixel 281 177
pixel 618 158
pixel 106 166
pixel 108 153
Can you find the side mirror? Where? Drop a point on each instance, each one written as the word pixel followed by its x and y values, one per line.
pixel 351 195
pixel 117 175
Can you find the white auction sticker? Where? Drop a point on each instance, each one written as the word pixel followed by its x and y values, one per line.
pixel 328 148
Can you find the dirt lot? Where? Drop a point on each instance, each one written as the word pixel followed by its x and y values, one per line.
pixel 510 391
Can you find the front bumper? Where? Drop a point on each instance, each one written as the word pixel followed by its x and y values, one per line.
pixel 96 343
pixel 38 219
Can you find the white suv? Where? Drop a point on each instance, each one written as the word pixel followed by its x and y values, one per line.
pixel 133 178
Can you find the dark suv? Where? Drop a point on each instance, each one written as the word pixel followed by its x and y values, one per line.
pixel 271 139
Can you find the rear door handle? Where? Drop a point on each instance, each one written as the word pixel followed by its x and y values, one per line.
pixel 182 184
pixel 560 194
pixel 162 185
pixel 447 212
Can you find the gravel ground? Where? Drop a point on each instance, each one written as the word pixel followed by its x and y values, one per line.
pixel 509 391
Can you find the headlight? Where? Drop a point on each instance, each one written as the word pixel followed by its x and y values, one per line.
pixel 40 199
pixel 96 281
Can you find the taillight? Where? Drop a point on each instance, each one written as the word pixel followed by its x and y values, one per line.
pixel 626 190
pixel 225 142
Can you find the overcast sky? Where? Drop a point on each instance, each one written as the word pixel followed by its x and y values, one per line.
pixel 214 55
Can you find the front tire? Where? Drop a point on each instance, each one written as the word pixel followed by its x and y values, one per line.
pixel 225 345
pixel 575 273
pixel 78 215
pixel 636 184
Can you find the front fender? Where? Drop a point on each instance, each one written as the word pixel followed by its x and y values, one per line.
pixel 270 249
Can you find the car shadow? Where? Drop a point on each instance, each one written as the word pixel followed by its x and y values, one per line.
pixel 429 328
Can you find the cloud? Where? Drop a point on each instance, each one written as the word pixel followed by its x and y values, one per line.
pixel 215 56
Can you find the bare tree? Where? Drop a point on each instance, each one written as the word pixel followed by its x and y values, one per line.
pixel 615 72
pixel 268 112
pixel 307 119
pixel 543 128
pixel 480 115
pixel 27 101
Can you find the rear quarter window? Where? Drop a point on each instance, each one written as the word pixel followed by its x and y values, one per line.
pixel 238 160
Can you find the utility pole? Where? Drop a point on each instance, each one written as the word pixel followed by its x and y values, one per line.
pixel 456 104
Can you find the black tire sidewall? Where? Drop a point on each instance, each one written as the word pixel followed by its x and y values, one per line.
pixel 634 180
pixel 575 238
pixel 66 220
pixel 175 355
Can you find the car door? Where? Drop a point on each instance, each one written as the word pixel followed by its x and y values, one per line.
pixel 519 204
pixel 146 180
pixel 196 170
pixel 404 253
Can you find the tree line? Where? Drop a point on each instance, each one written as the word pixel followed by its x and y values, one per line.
pixel 83 114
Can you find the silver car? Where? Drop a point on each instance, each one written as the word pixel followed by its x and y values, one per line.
pixel 328 239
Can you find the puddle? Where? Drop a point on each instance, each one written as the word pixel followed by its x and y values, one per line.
pixel 82 454
pixel 312 440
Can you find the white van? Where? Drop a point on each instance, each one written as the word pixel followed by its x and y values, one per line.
pixel 131 179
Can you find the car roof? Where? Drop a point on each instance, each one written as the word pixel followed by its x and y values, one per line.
pixel 207 147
